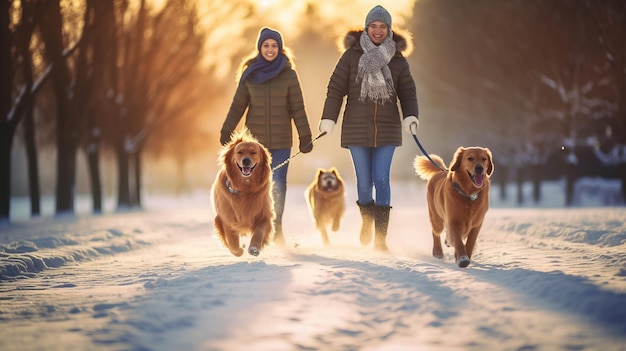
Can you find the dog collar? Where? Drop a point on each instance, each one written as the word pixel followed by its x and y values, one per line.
pixel 230 188
pixel 472 197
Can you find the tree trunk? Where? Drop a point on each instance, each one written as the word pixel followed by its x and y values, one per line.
pixel 7 127
pixel 123 191
pixel 6 141
pixel 570 181
pixel 102 106
pixel 66 175
pixel 537 190
pixel 137 187
pixel 33 165
pixel 93 161
pixel 520 186
pixel 536 180
pixel 622 171
pixel 68 126
pixel 503 181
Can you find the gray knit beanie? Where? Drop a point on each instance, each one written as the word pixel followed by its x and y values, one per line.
pixel 378 13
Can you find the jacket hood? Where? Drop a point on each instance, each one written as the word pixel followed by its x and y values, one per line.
pixel 403 39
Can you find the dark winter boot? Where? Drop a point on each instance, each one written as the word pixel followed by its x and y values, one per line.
pixel 381 223
pixel 367 213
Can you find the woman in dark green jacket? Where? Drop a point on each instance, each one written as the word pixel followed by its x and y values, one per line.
pixel 374 75
pixel 270 91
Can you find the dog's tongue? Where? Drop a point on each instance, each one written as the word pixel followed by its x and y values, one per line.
pixel 478 179
pixel 246 170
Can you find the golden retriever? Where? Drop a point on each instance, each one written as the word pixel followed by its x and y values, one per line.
pixel 458 198
pixel 326 200
pixel 242 194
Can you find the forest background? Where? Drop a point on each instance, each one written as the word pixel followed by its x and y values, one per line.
pixel 115 98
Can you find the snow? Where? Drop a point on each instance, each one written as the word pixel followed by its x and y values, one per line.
pixel 543 277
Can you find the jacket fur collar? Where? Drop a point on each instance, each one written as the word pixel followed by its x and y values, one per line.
pixel 403 39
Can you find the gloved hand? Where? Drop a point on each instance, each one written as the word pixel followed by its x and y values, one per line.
pixel 305 144
pixel 326 125
pixel 411 124
pixel 224 138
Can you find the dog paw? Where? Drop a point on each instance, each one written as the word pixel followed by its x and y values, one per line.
pixel 463 262
pixel 253 250
pixel 438 252
pixel 237 252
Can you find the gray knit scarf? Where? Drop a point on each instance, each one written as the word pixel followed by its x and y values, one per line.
pixel 374 72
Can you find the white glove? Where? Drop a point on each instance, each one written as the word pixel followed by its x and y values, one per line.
pixel 410 124
pixel 326 125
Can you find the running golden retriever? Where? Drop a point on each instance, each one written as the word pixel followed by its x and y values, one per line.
pixel 458 198
pixel 326 199
pixel 242 194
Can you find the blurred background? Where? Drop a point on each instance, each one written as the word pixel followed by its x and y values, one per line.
pixel 113 99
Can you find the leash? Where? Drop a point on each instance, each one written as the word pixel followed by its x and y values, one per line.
pixel 299 152
pixel 456 186
pixel 425 153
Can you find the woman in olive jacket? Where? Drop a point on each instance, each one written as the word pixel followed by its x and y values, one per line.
pixel 374 75
pixel 270 90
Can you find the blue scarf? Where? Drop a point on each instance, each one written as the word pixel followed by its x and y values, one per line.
pixel 261 70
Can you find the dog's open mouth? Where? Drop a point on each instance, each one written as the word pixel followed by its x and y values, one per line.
pixel 246 171
pixel 477 179
pixel 328 188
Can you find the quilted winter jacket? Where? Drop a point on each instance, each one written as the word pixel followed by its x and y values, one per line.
pixel 271 107
pixel 366 123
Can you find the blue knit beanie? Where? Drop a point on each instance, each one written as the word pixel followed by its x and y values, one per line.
pixel 378 13
pixel 267 33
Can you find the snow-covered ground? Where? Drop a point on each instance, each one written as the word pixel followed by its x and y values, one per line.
pixel 542 278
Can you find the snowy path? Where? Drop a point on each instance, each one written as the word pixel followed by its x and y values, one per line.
pixel 541 280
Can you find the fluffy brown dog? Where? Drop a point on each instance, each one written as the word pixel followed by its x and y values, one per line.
pixel 458 198
pixel 242 194
pixel 326 199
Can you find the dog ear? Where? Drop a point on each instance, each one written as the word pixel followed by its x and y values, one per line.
pixel 266 156
pixel 225 153
pixel 334 171
pixel 319 173
pixel 491 166
pixel 456 160
pixel 225 159
pixel 266 162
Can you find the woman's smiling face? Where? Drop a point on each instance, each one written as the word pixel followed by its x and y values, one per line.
pixel 377 31
pixel 269 49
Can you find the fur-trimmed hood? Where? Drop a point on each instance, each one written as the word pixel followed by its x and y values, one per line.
pixel 403 39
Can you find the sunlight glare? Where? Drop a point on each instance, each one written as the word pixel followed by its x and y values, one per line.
pixel 266 3
pixel 241 21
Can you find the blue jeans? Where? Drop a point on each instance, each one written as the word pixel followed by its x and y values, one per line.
pixel 279 177
pixel 372 166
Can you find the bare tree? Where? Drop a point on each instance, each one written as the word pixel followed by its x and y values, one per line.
pixel 17 104
pixel 609 18
pixel 8 122
pixel 527 74
pixel 96 73
pixel 68 124
pixel 159 54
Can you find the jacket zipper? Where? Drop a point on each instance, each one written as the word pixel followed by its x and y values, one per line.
pixel 268 112
pixel 375 124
